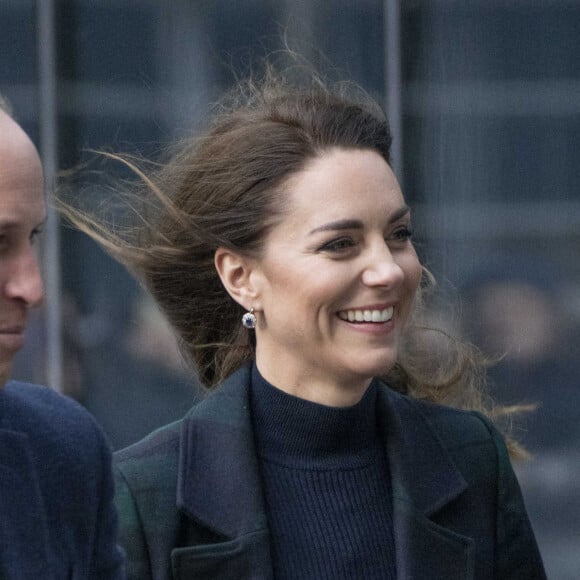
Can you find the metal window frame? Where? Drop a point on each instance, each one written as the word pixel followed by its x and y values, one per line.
pixel 48 130
pixel 394 82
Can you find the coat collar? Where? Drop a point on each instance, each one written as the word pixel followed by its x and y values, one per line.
pixel 217 434
pixel 424 480
pixel 225 495
pixel 422 472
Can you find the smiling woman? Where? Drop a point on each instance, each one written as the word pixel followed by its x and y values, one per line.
pixel 279 246
pixel 341 263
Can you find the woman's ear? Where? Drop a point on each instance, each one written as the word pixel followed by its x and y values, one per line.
pixel 235 271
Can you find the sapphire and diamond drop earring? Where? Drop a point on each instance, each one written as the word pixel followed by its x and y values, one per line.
pixel 249 319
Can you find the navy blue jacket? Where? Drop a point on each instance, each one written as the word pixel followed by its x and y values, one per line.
pixel 191 505
pixel 57 517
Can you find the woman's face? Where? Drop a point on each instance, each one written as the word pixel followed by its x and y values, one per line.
pixel 336 280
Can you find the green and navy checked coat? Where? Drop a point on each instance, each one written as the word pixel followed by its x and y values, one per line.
pixel 191 505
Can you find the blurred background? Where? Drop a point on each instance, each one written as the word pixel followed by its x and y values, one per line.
pixel 484 100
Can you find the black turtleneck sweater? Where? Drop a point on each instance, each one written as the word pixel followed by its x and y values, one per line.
pixel 327 486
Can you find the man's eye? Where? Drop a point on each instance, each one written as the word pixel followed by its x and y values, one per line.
pixel 34 234
pixel 403 234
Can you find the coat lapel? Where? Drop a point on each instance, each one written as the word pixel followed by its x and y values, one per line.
pixel 424 480
pixel 219 486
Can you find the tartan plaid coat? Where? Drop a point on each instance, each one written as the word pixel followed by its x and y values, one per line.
pixel 191 506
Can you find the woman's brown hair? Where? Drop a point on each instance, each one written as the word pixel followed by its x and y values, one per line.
pixel 225 189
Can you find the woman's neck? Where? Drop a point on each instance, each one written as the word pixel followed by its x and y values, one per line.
pixel 314 387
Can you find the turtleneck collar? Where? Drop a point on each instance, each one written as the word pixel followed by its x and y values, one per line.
pixel 299 433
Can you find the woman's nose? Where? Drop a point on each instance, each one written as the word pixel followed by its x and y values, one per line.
pixel 382 269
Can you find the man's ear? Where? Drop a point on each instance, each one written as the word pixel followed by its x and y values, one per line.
pixel 235 271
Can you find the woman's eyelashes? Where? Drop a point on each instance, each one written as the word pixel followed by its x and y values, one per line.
pixel 338 245
pixel 345 244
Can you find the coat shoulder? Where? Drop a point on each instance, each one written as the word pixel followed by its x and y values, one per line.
pixel 56 425
pixel 455 427
pixel 146 476
pixel 61 464
pixel 463 434
pixel 151 462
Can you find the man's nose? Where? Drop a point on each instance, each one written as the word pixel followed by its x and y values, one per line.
pixel 25 280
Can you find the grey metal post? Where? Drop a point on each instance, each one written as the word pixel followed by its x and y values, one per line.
pixel 46 50
pixel 393 81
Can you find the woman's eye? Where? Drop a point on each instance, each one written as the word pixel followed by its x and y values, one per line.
pixel 338 245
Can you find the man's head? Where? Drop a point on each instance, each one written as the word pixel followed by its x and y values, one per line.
pixel 22 215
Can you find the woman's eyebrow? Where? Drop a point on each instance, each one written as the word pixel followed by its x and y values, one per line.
pixel 357 224
pixel 338 225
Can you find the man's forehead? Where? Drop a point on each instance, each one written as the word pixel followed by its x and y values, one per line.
pixel 18 155
pixel 21 174
pixel 21 178
pixel 21 197
pixel 15 215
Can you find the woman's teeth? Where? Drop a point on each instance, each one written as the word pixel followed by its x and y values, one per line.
pixel 367 315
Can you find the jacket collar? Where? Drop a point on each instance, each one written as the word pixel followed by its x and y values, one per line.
pixel 225 495
pixel 422 472
pixel 424 480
